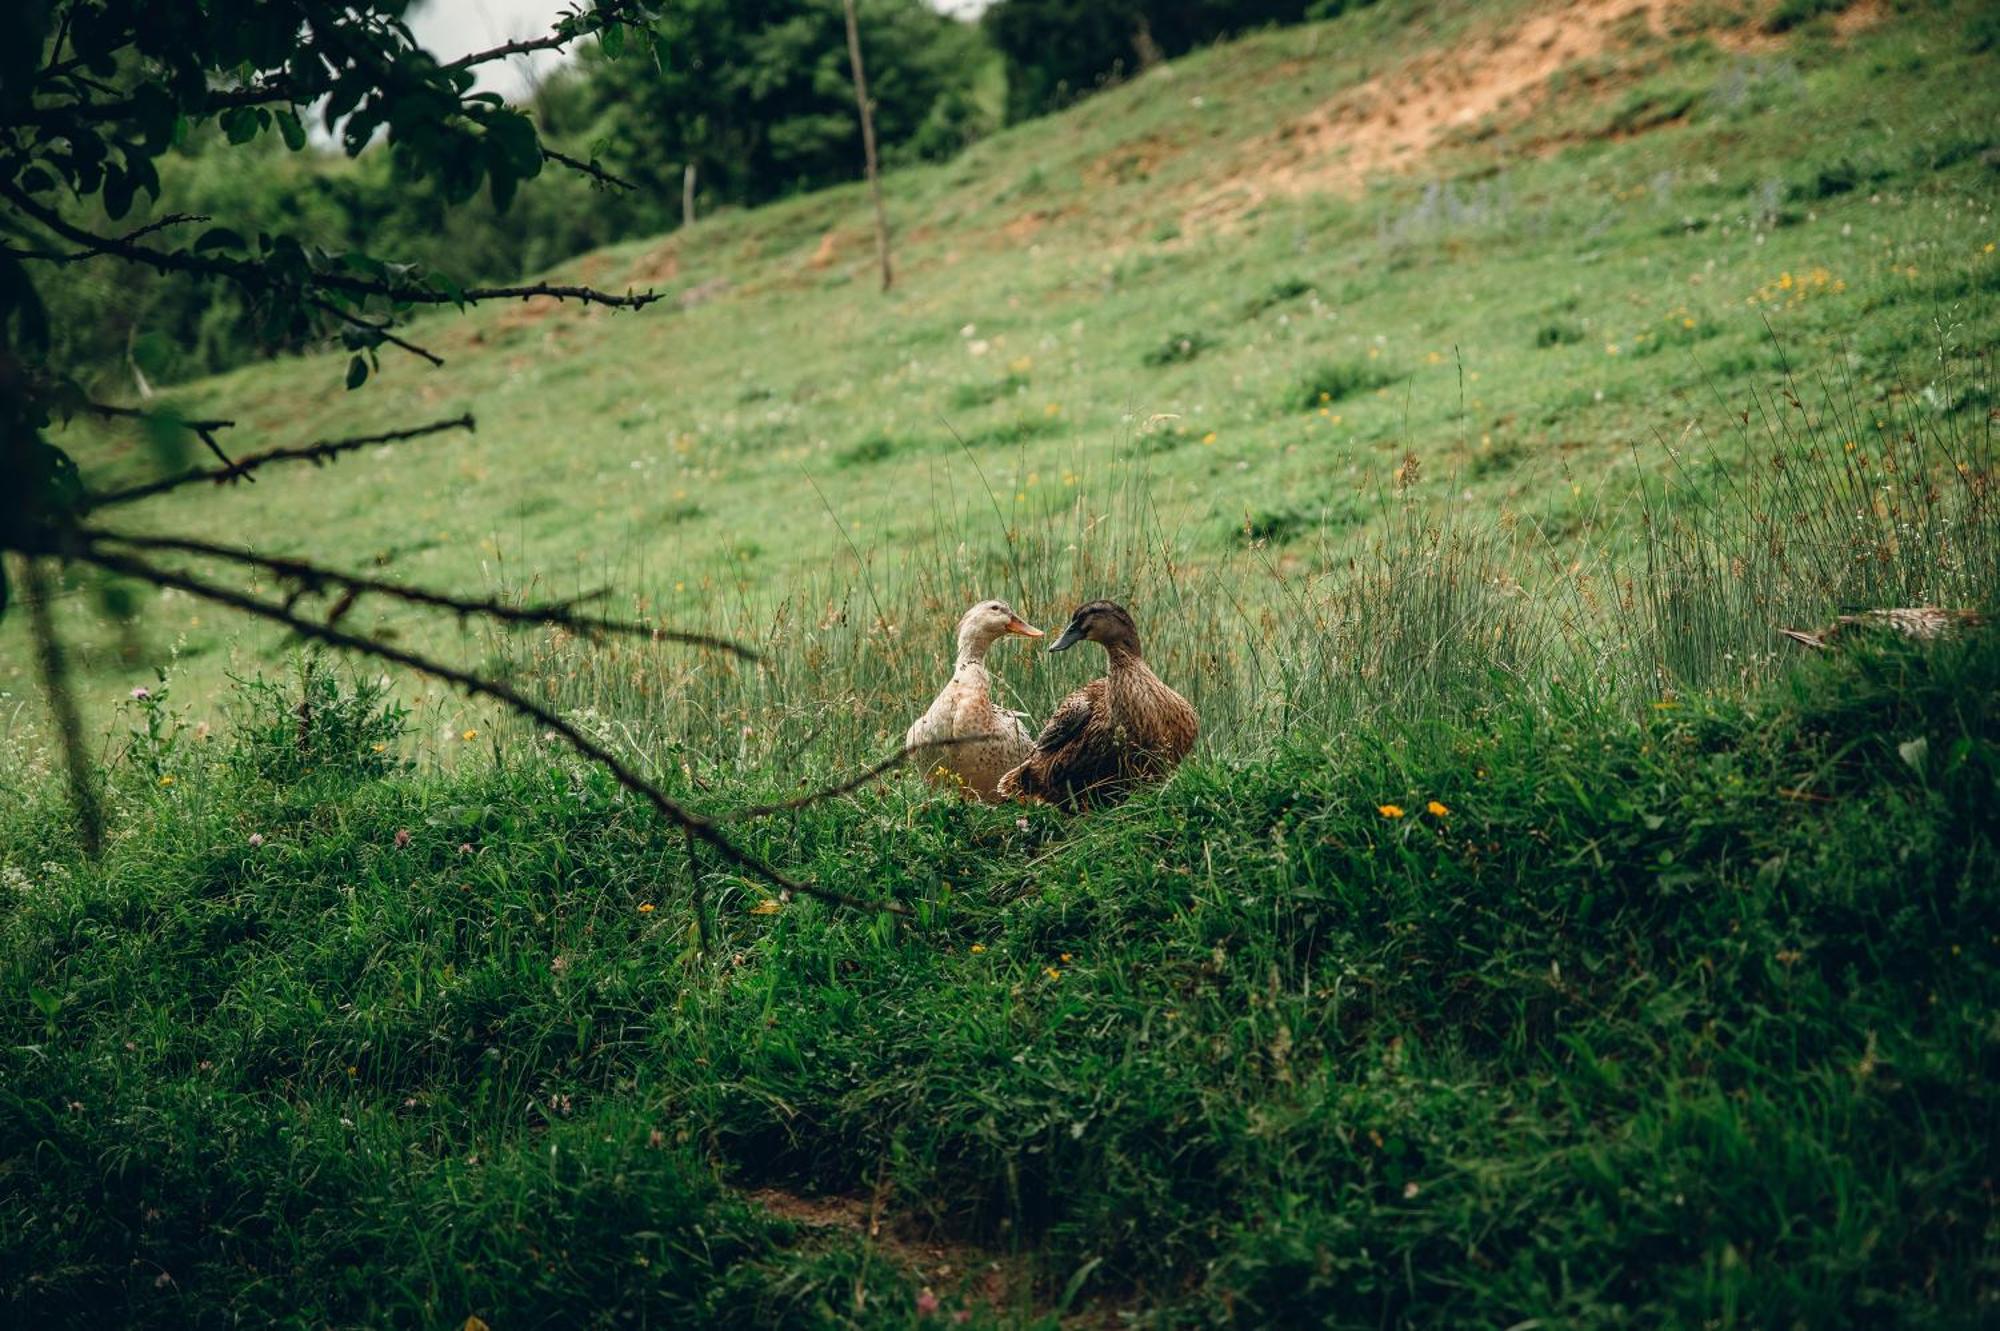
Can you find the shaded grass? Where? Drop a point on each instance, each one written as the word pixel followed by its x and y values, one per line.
pixel 1643 994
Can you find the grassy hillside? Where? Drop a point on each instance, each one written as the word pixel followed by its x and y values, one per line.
pixel 1533 256
pixel 1530 941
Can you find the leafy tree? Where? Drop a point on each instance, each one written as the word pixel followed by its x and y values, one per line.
pixel 93 95
pixel 1056 51
pixel 758 95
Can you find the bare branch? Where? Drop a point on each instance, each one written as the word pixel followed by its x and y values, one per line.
pixel 62 703
pixel 591 169
pixel 316 577
pixel 254 277
pixel 851 784
pixel 380 330
pixel 702 828
pixel 203 430
pixel 317 453
pixel 162 223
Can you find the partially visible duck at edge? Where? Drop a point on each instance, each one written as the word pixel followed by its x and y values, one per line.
pixel 1113 733
pixel 978 739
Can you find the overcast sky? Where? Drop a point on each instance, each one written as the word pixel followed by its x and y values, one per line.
pixel 452 28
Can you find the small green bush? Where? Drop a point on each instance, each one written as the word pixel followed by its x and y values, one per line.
pixel 326 723
pixel 1178 349
pixel 1334 380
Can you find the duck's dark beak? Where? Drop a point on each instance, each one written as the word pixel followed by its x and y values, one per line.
pixel 1071 636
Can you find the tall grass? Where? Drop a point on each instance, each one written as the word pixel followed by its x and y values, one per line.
pixel 1815 503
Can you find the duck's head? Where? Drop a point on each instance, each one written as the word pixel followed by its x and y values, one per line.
pixel 989 621
pixel 1102 622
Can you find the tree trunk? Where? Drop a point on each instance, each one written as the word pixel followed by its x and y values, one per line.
pixel 868 141
pixel 687 195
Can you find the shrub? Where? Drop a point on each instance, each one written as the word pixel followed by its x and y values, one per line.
pixel 323 724
pixel 1178 349
pixel 1334 380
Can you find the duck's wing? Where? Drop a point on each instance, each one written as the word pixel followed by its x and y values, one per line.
pixel 1070 718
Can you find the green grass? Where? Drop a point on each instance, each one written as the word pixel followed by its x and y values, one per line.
pixel 674 454
pixel 1672 1018
pixel 1485 486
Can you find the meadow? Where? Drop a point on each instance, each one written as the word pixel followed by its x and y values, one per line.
pixel 1535 938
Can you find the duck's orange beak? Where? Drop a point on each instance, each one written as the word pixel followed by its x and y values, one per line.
pixel 1022 628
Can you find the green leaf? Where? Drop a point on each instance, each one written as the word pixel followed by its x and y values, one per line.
pixel 218 238
pixel 612 40
pixel 239 123
pixel 357 372
pixel 47 1002
pixel 289 126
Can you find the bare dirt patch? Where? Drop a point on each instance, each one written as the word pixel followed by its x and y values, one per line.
pixel 958 1274
pixel 1391 122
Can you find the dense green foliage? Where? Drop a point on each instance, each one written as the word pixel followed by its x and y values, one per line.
pixel 759 96
pixel 1057 52
pixel 1677 1019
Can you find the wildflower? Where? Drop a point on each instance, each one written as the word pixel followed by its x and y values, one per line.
pixel 167 780
pixel 768 906
pixel 1325 396
pixel 1052 972
pixel 646 908
pixel 1208 438
pixel 1687 323
pixel 1021 823
pixel 256 839
pixel 1410 1191
pixel 1665 705
pixel 465 847
pixel 1065 958
pixel 977 948
pixel 141 693
pixel 1437 809
pixel 402 838
pixel 1611 348
pixel 1053 409
pixel 379 746
pixel 927 1302
pixel 1988 249
pixel 353 1071
pixel 1389 810
pixel 469 736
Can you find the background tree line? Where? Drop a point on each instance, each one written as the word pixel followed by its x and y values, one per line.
pixel 755 94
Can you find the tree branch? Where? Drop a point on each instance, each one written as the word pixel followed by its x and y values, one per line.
pixel 203 430
pixel 315 577
pixel 591 169
pixel 851 784
pixel 694 823
pixel 317 453
pixel 254 277
pixel 381 330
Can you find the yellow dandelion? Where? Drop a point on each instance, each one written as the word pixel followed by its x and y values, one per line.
pixel 1325 396
pixel 1053 409
pixel 977 948
pixel 1611 348
pixel 1988 249
pixel 768 906
pixel 1687 323
pixel 1052 972
pixel 1437 809
pixel 1208 438
pixel 646 908
pixel 1064 958
pixel 1389 810
pixel 378 746
pixel 469 736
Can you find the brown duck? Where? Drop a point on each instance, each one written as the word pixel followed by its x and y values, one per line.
pixel 1111 734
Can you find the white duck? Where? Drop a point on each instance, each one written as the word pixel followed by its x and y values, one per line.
pixel 987 739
